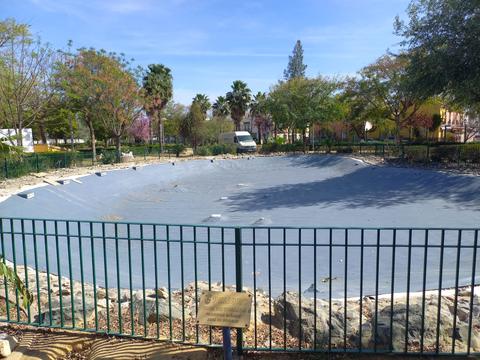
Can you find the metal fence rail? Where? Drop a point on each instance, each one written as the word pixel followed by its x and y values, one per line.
pixel 383 290
pixel 450 154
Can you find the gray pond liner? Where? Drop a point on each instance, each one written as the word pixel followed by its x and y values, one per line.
pixel 310 191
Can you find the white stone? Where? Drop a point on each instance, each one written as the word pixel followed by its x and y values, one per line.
pixel 7 344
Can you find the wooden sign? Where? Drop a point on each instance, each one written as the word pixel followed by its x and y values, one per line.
pixel 226 309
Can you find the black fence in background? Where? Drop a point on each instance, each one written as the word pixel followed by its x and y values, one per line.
pixel 457 155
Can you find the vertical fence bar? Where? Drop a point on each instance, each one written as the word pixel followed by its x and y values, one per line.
pixel 254 245
pixel 361 291
pixel 47 265
pixel 270 290
pixel 472 291
pixel 209 262
pixel 239 280
pixel 182 280
pixel 195 270
pixel 392 293
pixel 92 250
pixel 117 263
pixel 440 276
pixel 37 277
pixel 155 264
pixel 25 267
pixel 299 289
pixel 7 300
pixel 142 256
pixel 104 243
pixel 129 240
pixel 345 286
pixel 59 273
pixel 12 230
pixel 82 276
pixel 284 288
pixel 455 304
pixel 377 271
pixel 169 282
pixel 425 258
pixel 330 290
pixel 315 289
pixel 223 259
pixel 70 275
pixel 407 306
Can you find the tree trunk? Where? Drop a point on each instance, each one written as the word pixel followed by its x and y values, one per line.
pixel 92 139
pixel 118 147
pixel 304 137
pixel 259 134
pixel 41 129
pixel 237 124
pixel 19 133
pixel 397 130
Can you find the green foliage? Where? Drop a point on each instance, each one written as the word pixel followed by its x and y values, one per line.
pixel 295 67
pixel 216 149
pixel 191 127
pixel 238 100
pixel 436 122
pixel 214 127
pixel 301 102
pixel 274 146
pixel 10 29
pixel 157 91
pixel 386 86
pixel 13 279
pixel 441 37
pixel 158 87
pixel 203 101
pixel 220 107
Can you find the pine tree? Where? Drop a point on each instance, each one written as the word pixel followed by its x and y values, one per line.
pixel 295 67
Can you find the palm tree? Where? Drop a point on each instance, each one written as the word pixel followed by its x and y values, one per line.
pixel 238 100
pixel 259 111
pixel 220 107
pixel 158 89
pixel 203 101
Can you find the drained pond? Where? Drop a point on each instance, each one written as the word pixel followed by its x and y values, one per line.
pixel 318 225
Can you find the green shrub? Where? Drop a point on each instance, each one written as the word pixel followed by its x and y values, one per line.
pixel 344 150
pixel 203 151
pixel 108 157
pixel 415 153
pixel 444 153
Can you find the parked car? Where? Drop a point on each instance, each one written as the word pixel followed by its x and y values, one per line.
pixel 242 140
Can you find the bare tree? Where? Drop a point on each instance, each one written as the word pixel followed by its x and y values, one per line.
pixel 471 126
pixel 25 82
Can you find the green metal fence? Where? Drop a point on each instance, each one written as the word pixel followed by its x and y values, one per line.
pixel 454 154
pixel 314 289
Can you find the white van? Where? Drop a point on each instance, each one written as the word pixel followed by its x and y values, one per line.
pixel 242 140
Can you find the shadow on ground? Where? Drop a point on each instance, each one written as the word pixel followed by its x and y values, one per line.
pixel 364 186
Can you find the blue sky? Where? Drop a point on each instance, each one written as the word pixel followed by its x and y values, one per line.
pixel 210 43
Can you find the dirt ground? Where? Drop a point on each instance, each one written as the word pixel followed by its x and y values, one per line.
pixel 50 344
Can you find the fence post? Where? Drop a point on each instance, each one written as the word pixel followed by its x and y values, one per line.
pixel 239 280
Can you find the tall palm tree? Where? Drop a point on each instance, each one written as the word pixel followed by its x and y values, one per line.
pixel 220 107
pixel 158 90
pixel 259 111
pixel 238 100
pixel 203 101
